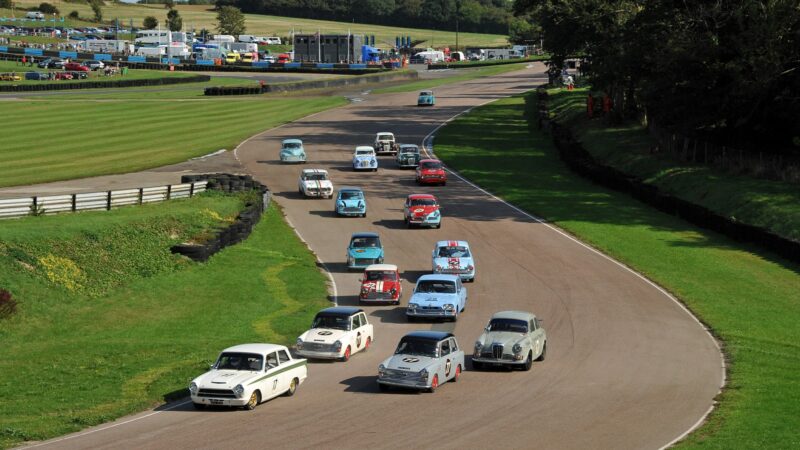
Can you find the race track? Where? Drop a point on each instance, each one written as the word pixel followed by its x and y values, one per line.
pixel 627 366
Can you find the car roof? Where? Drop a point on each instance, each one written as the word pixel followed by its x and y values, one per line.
pixel 522 315
pixel 350 188
pixel 438 276
pixel 341 310
pixel 385 132
pixel 290 141
pixel 381 267
pixel 315 171
pixel 365 147
pixel 452 244
pixel 425 92
pixel 364 234
pixel 431 335
pixel 255 348
pixel 429 160
pixel 422 196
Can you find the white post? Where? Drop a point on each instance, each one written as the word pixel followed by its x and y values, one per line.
pixel 319 46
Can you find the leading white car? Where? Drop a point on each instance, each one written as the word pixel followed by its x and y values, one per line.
pixel 248 374
pixel 336 333
pixel 315 183
pixel 364 159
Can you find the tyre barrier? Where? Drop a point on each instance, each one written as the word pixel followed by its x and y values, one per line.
pixel 62 85
pixel 467 65
pixel 233 90
pixel 579 160
pixel 311 84
pixel 241 227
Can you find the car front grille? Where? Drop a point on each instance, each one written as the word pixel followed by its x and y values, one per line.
pixel 497 351
pixel 352 209
pixel 216 393
pixel 317 347
pixel 375 295
pixel 364 261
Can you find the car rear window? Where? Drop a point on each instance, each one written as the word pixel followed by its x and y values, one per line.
pixel 453 252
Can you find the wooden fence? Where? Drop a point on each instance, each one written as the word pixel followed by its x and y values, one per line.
pixel 95 201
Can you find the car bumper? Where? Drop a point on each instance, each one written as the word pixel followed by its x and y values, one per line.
pixel 433 314
pixel 343 212
pixel 401 383
pixel 318 193
pixel 425 221
pixel 367 167
pixel 292 159
pixel 220 401
pixel 407 164
pixel 500 362
pixel 378 298
pixel 461 274
pixel 431 180
pixel 319 355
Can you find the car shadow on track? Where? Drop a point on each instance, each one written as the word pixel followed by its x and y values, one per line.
pixel 289 194
pixel 413 275
pixel 367 384
pixel 396 314
pixel 324 213
pixel 340 267
pixel 390 224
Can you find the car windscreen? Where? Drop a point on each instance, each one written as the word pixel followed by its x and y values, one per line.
pixel 332 321
pixel 385 137
pixel 423 202
pixel 351 195
pixel 411 150
pixel 316 177
pixel 417 347
pixel 426 93
pixel 240 361
pixel 436 286
pixel 381 275
pixel 291 145
pixel 364 152
pixel 365 242
pixel 512 325
pixel 453 252
pixel 432 165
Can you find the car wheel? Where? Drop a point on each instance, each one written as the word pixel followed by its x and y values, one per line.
pixel 477 365
pixel 255 399
pixel 364 215
pixel 528 362
pixel 292 387
pixel 346 356
pixel 439 225
pixel 458 373
pixel 434 384
pixel 544 352
pixel 367 344
pixel 383 387
pixel 198 405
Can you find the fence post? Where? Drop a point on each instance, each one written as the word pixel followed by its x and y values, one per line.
pixel 169 191
pixel 35 204
pixel 141 195
pixel 191 189
pixel 74 202
pixel 108 201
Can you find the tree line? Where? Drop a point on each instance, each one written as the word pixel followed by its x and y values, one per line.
pixel 722 70
pixel 483 16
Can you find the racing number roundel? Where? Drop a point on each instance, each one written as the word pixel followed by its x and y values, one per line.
pixel 358 340
pixel 447 366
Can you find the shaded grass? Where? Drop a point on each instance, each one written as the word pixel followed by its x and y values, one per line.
pixel 132 345
pixel 119 136
pixel 459 76
pixel 773 205
pixel 749 297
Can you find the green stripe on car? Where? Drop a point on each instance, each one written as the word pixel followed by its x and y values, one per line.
pixel 301 363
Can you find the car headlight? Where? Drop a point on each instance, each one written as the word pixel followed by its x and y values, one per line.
pixel 470 267
pixel 337 345
pixel 435 213
pixel 423 374
pixel 412 306
pixel 299 344
pixel 449 307
pixel 239 390
pixel 193 388
pixel 381 371
pixel 478 345
pixel 516 348
pixel 341 204
pixel 360 204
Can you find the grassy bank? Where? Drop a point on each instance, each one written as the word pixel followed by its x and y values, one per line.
pixel 749 297
pixel 50 140
pixel 773 205
pixel 109 322
pixel 133 74
pixel 464 75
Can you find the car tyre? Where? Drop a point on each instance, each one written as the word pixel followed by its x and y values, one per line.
pixel 528 362
pixel 292 387
pixel 439 225
pixel 434 384
pixel 255 399
pixel 544 352
pixel 346 356
pixel 199 406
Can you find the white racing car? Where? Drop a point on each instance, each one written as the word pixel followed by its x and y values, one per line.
pixel 336 333
pixel 315 183
pixel 364 159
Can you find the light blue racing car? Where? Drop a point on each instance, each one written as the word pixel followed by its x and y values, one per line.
pixel 350 202
pixel 364 159
pixel 364 250
pixel 437 296
pixel 426 98
pixel 292 151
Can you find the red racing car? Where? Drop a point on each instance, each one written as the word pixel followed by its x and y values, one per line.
pixel 422 209
pixel 381 284
pixel 431 171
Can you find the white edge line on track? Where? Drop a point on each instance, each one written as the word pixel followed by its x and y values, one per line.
pixel 427 143
pixel 320 261
pixel 72 436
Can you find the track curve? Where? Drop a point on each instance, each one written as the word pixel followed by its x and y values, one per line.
pixel 627 367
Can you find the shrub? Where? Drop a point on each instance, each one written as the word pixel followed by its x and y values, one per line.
pixel 6 4
pixel 74 15
pixel 48 8
pixel 8 305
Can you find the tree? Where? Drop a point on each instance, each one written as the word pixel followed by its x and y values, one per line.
pixel 522 31
pixel 74 15
pixel 48 8
pixel 150 23
pixel 8 4
pixel 97 9
pixel 169 4
pixel 174 20
pixel 230 20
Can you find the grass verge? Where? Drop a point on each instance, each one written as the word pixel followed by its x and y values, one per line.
pixel 110 323
pixel 773 205
pixel 748 296
pixel 118 136
pixel 133 74
pixel 464 75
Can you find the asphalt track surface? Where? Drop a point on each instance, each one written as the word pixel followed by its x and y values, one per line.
pixel 627 366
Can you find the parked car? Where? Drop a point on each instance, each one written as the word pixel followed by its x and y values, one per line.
pixel 512 339
pixel 364 159
pixel 315 183
pixel 64 76
pixel 10 77
pixel 232 58
pixel 407 155
pixel 454 258
pixel 381 283
pixel 426 98
pixel 76 67
pixel 350 201
pixel 336 333
pixel 431 171
pixel 437 296
pixel 385 143
pixel 82 75
pixel 94 64
pixel 268 58
pixel 246 375
pixel 422 210
pixel 365 249
pixel 423 360
pixel 248 58
pixel 37 76
pixel 292 150
pixel 52 63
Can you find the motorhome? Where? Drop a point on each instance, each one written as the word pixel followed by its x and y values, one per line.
pixel 153 38
pixel 173 51
pixel 106 46
pixel 34 15
pixel 500 53
pixel 223 38
pixel 243 47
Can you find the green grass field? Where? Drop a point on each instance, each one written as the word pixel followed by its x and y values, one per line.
pixel 202 16
pixel 110 323
pixel 462 75
pixel 120 136
pixel 749 297
pixel 769 204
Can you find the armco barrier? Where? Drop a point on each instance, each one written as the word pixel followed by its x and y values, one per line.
pixel 102 56
pixel 312 84
pixel 117 83
pixel 242 226
pixel 94 201
pixel 292 65
pixel 324 66
pixel 357 66
pixel 581 161
pixel 261 64
pixel 3 48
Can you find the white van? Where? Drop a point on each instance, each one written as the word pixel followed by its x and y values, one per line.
pixel 36 15
pixel 224 38
pixel 429 57
pixel 273 40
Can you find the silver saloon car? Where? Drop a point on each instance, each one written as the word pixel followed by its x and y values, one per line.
pixel 512 339
pixel 424 360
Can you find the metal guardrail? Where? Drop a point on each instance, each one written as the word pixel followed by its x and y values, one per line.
pixel 96 201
